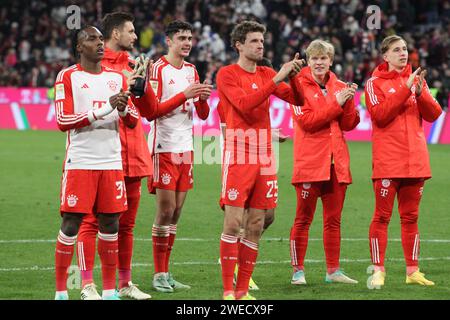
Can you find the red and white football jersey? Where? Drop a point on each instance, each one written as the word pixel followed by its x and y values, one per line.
pixel 172 132
pixel 96 145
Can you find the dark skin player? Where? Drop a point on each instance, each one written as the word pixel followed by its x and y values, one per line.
pixel 90 48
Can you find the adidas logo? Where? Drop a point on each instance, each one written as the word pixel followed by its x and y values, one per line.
pixel 391 90
pixel 316 96
pixel 254 86
pixel 171 81
pixel 85 86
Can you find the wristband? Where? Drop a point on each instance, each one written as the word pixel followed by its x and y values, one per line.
pixel 96 114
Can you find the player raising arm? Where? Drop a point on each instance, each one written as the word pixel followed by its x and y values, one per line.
pixel 398 100
pixel 244 89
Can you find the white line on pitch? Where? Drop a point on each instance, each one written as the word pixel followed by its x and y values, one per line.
pixel 18 241
pixel 210 263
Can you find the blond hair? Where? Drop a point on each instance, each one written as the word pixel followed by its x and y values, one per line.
pixel 388 41
pixel 320 47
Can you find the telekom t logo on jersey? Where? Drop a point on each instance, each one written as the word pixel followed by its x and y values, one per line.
pixel 98 104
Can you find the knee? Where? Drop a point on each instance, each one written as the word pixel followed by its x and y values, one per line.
pixel 108 223
pixel 254 226
pixel 408 218
pixel 232 226
pixel 332 222
pixel 176 213
pixel 303 221
pixel 71 224
pixel 269 219
pixel 166 209
pixel 381 217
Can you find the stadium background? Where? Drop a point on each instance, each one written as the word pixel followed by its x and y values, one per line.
pixel 34 46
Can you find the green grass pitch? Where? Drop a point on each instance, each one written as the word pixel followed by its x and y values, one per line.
pixel 30 171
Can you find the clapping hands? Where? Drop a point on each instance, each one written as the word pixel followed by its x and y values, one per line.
pixel 119 101
pixel 347 93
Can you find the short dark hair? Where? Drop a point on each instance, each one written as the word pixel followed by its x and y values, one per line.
pixel 115 20
pixel 176 26
pixel 241 30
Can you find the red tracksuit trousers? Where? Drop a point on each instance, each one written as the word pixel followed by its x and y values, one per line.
pixel 332 194
pixel 409 193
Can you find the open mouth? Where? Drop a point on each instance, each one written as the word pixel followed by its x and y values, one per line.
pixel 100 51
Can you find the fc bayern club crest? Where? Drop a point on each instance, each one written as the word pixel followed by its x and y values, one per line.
pixel 72 200
pixel 233 194
pixel 190 79
pixel 112 85
pixel 385 183
pixel 165 178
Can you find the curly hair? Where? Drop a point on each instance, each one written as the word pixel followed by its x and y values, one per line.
pixel 241 30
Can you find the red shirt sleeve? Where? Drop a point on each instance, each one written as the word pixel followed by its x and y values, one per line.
pixel 429 108
pixel 150 107
pixel 292 93
pixel 350 117
pixel 221 113
pixel 201 106
pixel 65 116
pixel 313 117
pixel 149 104
pixel 383 110
pixel 238 98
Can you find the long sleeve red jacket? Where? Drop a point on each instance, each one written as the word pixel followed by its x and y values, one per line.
pixel 319 126
pixel 136 160
pixel 399 147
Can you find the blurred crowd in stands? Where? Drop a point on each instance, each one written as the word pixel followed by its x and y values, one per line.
pixel 35 42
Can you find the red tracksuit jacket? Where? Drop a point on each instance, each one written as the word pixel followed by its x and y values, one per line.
pixel 318 131
pixel 136 160
pixel 399 147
